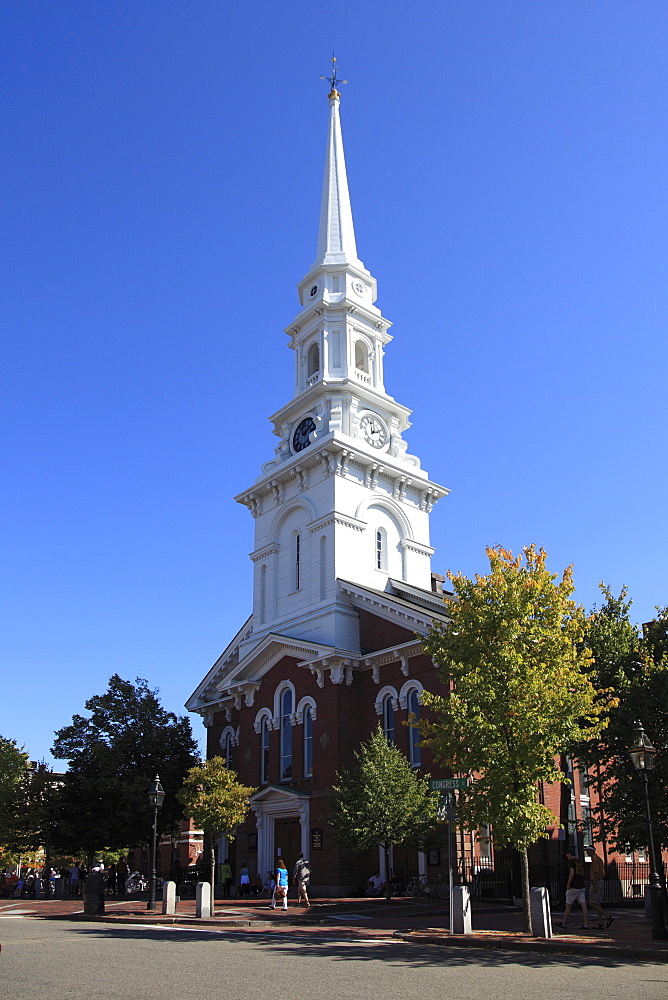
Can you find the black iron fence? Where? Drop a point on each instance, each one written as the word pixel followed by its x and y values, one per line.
pixel 623 881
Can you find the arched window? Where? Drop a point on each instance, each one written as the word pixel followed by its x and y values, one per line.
pixel 361 356
pixel 388 717
pixel 264 751
pixel 227 742
pixel 313 360
pixel 227 750
pixel 286 735
pixel 323 568
pixel 308 742
pixel 414 752
pixel 263 593
pixel 297 555
pixel 380 554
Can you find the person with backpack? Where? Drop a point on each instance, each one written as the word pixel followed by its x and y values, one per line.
pixel 301 875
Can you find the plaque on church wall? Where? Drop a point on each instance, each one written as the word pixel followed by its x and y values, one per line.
pixel 316 839
pixel 252 843
pixel 434 858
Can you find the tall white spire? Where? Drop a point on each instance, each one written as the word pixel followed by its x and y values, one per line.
pixel 336 236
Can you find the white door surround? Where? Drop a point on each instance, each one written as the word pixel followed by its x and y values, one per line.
pixel 277 802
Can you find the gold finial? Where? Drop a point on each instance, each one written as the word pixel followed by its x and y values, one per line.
pixel 333 80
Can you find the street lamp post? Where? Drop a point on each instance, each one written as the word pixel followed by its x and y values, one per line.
pixel 156 796
pixel 642 756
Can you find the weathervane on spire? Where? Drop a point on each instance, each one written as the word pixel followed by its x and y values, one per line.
pixel 333 79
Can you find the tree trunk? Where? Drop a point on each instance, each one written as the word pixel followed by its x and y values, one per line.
pixel 388 888
pixel 212 863
pixel 526 903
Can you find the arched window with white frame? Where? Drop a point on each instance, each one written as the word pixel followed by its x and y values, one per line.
pixel 313 359
pixel 263 726
pixel 414 749
pixel 264 751
pixel 308 742
pixel 380 554
pixel 296 560
pixel 263 593
pixel 388 717
pixel 323 567
pixel 361 356
pixel 286 734
pixel 227 742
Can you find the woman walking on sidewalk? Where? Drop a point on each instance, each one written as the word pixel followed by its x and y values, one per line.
pixel 281 887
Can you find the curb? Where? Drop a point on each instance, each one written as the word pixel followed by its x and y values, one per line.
pixel 547 946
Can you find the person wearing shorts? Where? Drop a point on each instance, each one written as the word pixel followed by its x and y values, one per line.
pixel 596 886
pixel 301 875
pixel 575 891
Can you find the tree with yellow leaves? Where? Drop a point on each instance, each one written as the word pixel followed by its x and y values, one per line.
pixel 520 694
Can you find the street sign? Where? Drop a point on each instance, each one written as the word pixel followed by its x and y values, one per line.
pixel 447 784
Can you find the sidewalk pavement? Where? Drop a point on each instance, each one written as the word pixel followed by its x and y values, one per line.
pixel 422 921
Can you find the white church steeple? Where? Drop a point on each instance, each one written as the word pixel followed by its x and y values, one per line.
pixel 336 235
pixel 341 500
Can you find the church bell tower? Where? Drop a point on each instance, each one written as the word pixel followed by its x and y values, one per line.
pixel 341 502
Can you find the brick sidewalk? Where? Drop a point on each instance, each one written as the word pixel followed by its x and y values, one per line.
pixel 425 922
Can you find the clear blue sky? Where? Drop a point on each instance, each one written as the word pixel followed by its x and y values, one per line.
pixel 161 173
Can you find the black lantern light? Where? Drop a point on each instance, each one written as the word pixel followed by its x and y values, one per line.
pixel 643 755
pixel 156 796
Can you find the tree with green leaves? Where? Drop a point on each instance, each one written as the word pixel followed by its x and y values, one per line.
pixel 635 665
pixel 381 801
pixel 14 769
pixel 520 694
pixel 216 802
pixel 114 754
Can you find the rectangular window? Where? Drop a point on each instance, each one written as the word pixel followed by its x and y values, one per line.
pixel 336 348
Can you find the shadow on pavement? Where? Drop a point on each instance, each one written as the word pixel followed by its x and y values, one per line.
pixel 335 945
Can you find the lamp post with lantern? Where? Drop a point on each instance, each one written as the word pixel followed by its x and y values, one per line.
pixel 156 796
pixel 643 755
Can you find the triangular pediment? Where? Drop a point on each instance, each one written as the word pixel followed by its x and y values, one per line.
pixel 274 793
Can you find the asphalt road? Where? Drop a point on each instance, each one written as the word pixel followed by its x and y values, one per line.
pixel 63 960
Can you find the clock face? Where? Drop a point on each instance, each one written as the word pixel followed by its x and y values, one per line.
pixel 374 430
pixel 301 437
pixel 314 289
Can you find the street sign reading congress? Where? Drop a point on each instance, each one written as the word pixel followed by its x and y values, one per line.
pixel 447 784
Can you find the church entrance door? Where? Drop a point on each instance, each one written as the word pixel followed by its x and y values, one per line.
pixel 287 841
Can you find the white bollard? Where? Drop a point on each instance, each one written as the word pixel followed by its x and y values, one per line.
pixel 541 918
pixel 203 899
pixel 461 910
pixel 169 897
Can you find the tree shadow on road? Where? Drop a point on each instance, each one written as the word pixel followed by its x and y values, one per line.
pixel 320 944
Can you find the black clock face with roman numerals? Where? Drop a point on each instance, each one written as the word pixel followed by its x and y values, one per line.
pixel 300 438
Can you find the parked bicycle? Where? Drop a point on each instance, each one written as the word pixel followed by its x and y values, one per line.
pixel 423 886
pixel 136 883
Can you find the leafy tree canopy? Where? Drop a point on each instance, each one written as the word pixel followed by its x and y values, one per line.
pixel 520 695
pixel 637 667
pixel 381 801
pixel 114 754
pixel 215 801
pixel 14 768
